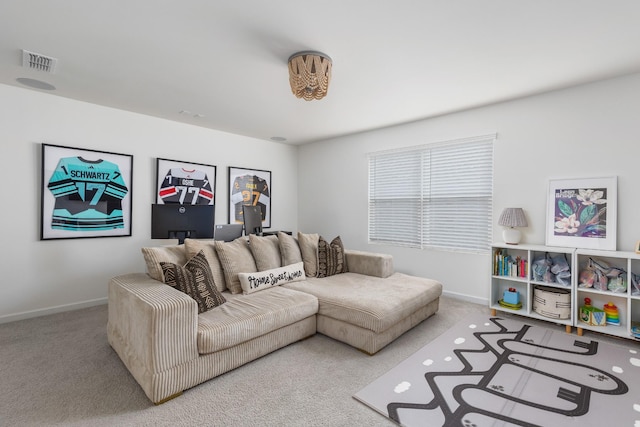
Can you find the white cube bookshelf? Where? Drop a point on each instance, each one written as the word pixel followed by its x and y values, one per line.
pixel 627 302
pixel 526 285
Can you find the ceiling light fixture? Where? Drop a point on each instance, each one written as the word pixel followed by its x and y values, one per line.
pixel 309 74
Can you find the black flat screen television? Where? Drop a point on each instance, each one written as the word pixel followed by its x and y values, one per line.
pixel 252 217
pixel 175 221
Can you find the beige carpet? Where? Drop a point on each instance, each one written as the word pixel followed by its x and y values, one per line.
pixel 59 370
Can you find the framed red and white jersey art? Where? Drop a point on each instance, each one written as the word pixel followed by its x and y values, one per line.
pixel 185 183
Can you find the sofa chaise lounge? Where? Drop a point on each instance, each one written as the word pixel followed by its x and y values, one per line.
pixel 169 344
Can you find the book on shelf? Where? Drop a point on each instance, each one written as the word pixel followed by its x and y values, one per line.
pixel 507 265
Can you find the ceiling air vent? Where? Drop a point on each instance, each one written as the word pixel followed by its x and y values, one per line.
pixel 39 62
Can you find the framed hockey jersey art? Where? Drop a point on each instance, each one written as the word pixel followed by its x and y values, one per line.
pixel 250 187
pixel 85 193
pixel 185 183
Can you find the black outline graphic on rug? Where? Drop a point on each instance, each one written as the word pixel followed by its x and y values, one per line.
pixel 507 357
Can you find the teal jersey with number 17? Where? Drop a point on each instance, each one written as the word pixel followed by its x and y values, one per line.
pixel 88 195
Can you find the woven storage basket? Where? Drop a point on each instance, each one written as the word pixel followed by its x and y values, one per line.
pixel 552 302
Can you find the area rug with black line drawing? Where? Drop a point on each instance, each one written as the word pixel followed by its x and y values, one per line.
pixel 493 371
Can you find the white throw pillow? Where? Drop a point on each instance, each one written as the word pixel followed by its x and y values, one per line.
pixel 254 282
pixel 153 256
pixel 235 257
pixel 309 249
pixel 266 251
pixel 289 249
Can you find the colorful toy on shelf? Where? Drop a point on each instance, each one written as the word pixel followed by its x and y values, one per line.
pixel 517 306
pixel 510 299
pixel 612 315
pixel 592 315
pixel 511 296
pixel 635 330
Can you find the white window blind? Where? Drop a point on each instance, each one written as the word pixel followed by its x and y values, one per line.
pixel 437 195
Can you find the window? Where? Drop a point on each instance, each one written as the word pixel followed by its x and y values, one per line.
pixel 436 195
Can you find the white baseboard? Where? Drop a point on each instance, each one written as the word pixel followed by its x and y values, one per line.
pixel 52 310
pixel 468 298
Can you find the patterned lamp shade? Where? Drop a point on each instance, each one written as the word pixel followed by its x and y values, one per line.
pixel 512 217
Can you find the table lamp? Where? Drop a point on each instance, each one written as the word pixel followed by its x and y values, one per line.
pixel 511 218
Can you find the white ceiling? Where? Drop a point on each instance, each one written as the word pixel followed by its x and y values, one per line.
pixel 393 61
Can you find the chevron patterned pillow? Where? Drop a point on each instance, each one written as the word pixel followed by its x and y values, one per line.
pixel 194 279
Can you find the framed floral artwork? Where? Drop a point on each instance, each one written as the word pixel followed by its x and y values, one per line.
pixel 85 193
pixel 581 213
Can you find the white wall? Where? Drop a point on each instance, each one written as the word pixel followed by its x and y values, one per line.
pixel 591 130
pixel 586 131
pixel 41 277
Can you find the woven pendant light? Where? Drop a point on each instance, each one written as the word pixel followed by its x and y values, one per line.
pixel 309 74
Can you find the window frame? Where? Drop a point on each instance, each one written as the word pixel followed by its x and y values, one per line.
pixel 394 192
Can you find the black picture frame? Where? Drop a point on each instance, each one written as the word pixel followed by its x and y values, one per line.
pixel 249 187
pixel 85 193
pixel 197 182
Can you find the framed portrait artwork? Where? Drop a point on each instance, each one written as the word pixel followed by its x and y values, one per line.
pixel 582 213
pixel 185 183
pixel 250 187
pixel 85 193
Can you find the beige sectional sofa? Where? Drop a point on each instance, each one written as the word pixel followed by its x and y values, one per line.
pixel 169 345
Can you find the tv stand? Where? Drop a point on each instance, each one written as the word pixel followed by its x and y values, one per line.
pixel 180 235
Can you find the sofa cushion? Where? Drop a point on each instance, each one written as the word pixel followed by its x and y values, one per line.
pixel 289 249
pixel 331 258
pixel 254 282
pixel 208 247
pixel 194 279
pixel 244 317
pixel 309 249
pixel 175 254
pixel 266 251
pixel 235 257
pixel 372 303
